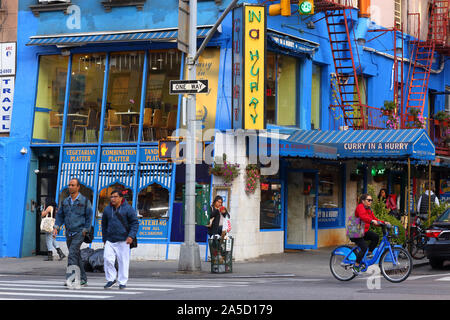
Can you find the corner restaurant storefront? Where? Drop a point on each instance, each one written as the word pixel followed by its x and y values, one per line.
pixel 99 113
pixel 398 148
pixel 314 192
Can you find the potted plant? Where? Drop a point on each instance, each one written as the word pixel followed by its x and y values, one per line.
pixel 389 108
pixel 252 178
pixel 227 171
pixel 441 118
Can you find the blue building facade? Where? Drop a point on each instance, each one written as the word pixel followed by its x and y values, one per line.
pixel 90 77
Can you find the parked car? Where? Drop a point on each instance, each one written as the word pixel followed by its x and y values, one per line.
pixel 437 248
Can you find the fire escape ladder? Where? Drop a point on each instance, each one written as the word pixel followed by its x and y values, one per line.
pixel 422 57
pixel 344 63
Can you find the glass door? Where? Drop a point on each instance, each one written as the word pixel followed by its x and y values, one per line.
pixel 301 209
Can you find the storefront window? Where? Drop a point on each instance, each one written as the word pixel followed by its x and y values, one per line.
pixel 270 217
pixel 315 97
pixel 160 113
pixel 85 191
pixel 124 96
pixel 281 103
pixel 85 97
pixel 105 194
pixel 153 202
pixel 330 191
pixel 51 93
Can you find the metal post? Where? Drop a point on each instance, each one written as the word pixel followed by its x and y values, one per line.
pixel 429 194
pixel 408 202
pixel 189 251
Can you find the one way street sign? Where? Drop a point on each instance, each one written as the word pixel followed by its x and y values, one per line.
pixel 188 86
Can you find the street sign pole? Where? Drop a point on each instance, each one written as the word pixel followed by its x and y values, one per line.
pixel 189 259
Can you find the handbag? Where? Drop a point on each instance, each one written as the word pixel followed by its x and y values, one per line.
pixel 133 244
pixel 355 227
pixel 47 223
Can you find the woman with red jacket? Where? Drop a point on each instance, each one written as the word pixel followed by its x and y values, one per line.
pixel 366 215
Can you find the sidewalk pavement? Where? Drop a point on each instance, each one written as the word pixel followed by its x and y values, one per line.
pixel 301 263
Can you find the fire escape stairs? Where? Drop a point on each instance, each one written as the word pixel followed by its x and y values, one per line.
pixel 342 50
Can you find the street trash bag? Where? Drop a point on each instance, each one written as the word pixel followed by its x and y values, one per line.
pixel 96 261
pixel 85 254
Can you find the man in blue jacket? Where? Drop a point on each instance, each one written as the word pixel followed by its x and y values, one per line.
pixel 119 227
pixel 76 214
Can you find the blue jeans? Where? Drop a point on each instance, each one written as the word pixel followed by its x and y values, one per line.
pixel 74 243
pixel 51 242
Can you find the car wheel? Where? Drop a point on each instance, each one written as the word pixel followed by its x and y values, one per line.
pixel 436 263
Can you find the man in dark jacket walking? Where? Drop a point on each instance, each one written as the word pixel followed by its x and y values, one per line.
pixel 119 227
pixel 76 214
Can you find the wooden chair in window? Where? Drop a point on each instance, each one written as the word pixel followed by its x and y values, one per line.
pixel 147 122
pixel 55 121
pixel 114 122
pixel 171 123
pixel 90 123
pixel 157 124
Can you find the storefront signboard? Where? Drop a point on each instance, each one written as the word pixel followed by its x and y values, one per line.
pixel 6 96
pixel 330 218
pixel 444 190
pixel 8 59
pixel 79 155
pixel 248 67
pixel 118 155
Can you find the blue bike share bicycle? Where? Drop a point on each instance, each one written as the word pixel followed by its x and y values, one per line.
pixel 394 261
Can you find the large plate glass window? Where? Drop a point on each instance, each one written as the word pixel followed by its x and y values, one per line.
pixel 50 97
pixel 85 97
pixel 124 96
pixel 160 113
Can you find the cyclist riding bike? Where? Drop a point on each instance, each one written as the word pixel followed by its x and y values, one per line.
pixel 365 214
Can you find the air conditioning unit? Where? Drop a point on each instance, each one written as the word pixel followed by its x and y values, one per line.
pixel 53 1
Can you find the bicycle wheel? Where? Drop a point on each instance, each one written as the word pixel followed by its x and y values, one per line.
pixel 396 267
pixel 341 263
pixel 418 247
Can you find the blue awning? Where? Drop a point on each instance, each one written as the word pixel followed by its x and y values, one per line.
pixel 111 37
pixel 393 144
pixel 291 45
pixel 295 149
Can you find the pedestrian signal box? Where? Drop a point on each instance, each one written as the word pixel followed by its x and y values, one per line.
pixel 167 149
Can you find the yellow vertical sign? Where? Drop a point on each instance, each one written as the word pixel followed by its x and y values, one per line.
pixel 254 70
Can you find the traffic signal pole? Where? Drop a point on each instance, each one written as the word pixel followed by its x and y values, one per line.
pixel 189 259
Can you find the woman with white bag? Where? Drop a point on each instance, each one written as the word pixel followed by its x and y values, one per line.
pixel 47 222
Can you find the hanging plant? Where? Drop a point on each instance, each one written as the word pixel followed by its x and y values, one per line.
pixel 251 178
pixel 228 172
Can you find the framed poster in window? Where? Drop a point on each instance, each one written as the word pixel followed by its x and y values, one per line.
pixel 225 193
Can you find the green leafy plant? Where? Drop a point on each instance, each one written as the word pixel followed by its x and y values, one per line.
pixel 227 171
pixel 389 106
pixel 435 212
pixel 442 116
pixel 381 212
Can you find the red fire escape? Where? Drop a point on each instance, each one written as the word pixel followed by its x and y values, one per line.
pixel 422 59
pixel 346 61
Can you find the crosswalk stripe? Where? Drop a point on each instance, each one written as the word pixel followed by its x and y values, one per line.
pixel 443 279
pixel 47 289
pixel 82 296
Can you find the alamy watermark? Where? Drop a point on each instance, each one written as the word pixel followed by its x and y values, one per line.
pixel 259 147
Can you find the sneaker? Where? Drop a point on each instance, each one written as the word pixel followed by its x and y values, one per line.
pixel 122 286
pixel 357 269
pixel 83 283
pixel 109 284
